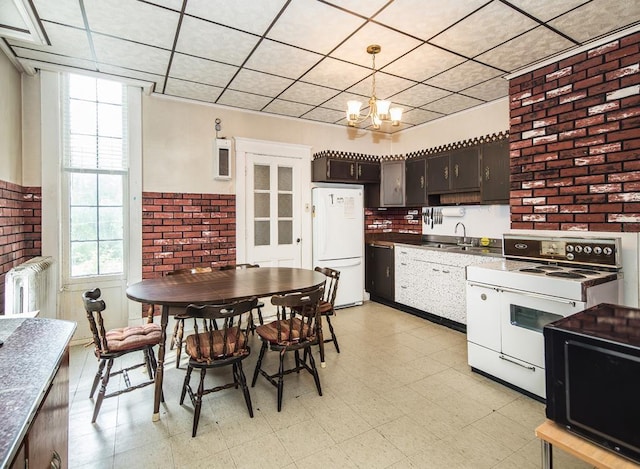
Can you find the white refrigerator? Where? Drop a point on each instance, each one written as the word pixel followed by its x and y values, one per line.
pixel 338 237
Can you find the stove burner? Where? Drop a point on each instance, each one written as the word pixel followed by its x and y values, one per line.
pixel 533 271
pixel 585 272
pixel 549 267
pixel 565 275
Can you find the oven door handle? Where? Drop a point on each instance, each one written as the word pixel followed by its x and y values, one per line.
pixel 529 294
pixel 532 368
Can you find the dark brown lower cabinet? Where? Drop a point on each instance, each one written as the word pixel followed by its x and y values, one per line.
pixel 46 443
pixel 379 271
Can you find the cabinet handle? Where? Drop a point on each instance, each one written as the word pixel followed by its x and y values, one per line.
pixel 456 169
pixel 56 461
pixel 359 171
pixel 421 182
pixel 486 173
pixel 351 171
pixel 446 173
pixel 446 271
pixel 388 271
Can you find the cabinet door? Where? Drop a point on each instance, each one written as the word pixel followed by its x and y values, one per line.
pixel 438 177
pixel 416 181
pixel 464 169
pixel 495 172
pixel 384 279
pixel 341 170
pixel 368 172
pixel 393 183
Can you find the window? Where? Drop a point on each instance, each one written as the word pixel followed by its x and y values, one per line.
pixel 95 165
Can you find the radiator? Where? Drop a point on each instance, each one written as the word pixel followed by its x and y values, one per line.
pixel 31 286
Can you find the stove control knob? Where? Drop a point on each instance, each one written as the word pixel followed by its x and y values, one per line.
pixel 570 256
pixel 569 247
pixel 587 249
pixel 607 251
pixel 597 250
pixel 578 249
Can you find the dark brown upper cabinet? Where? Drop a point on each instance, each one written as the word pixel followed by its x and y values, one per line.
pixel 326 169
pixel 494 172
pixel 454 171
pixel 416 182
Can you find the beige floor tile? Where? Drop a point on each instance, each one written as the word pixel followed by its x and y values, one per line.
pixel 304 439
pixel 371 450
pixel 264 452
pixel 327 458
pixel 150 455
pixel 407 435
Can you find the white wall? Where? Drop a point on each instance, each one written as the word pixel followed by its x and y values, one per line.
pixel 10 122
pixel 490 221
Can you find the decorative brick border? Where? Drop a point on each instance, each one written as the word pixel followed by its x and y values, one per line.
pixel 392 220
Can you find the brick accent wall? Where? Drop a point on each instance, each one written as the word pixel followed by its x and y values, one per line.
pixel 187 230
pixel 575 142
pixel 392 220
pixel 20 227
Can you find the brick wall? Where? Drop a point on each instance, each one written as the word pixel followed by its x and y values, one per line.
pixel 575 142
pixel 187 230
pixel 392 220
pixel 20 227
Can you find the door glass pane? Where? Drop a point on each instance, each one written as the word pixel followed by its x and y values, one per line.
pixel 111 223
pixel 84 257
pixel 532 319
pixel 285 178
pixel 261 205
pixel 111 255
pixel 84 223
pixel 261 177
pixel 262 235
pixel 285 205
pixel 285 232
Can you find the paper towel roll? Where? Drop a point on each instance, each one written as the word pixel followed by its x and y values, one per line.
pixel 453 212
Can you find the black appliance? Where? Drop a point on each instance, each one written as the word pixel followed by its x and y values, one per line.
pixel 593 376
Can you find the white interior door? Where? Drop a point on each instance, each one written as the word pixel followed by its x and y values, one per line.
pixel 273 203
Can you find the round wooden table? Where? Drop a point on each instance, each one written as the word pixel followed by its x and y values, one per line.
pixel 220 286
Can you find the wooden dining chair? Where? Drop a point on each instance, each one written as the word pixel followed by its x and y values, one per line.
pixel 326 308
pixel 260 304
pixel 294 329
pixel 115 343
pixel 178 328
pixel 228 344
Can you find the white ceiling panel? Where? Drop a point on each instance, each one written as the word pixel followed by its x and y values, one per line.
pixel 155 26
pixel 200 70
pixel 307 58
pixel 240 14
pixel 281 59
pixel 211 41
pixel 314 26
pixel 486 28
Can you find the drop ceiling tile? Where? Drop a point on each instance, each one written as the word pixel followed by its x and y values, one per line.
pixel 523 50
pixel 452 104
pixel 259 83
pixel 211 41
pixel 307 24
pixel 243 100
pixel 484 29
pixel 308 94
pixel 489 90
pixel 240 14
pixel 423 63
pixel 157 80
pixel 65 41
pixel 463 76
pixel 281 59
pixel 393 44
pixel 66 12
pixel 187 89
pixel 386 85
pixel 335 74
pixel 324 115
pixel 53 59
pixel 426 18
pixel 339 102
pixel 172 4
pixel 419 116
pixel 287 108
pixel 597 18
pixel 11 17
pixel 134 21
pixel 125 54
pixel 361 7
pixel 419 95
pixel 200 70
pixel 546 9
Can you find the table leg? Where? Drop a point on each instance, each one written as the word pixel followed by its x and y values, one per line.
pixel 547 455
pixel 164 319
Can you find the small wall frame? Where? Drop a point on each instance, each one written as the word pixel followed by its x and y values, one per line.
pixel 222 158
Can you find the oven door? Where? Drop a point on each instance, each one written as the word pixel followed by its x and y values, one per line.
pixel 522 317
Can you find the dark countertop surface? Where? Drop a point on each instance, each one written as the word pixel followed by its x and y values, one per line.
pixel 29 360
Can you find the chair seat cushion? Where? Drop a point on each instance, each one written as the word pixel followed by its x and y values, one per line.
pixel 325 308
pixel 133 337
pixel 269 332
pixel 233 349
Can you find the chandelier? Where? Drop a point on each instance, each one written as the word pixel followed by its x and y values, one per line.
pixel 380 110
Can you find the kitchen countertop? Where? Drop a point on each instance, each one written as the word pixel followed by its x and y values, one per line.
pixel 442 245
pixel 29 360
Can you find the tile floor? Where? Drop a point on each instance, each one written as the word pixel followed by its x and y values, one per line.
pixel 400 395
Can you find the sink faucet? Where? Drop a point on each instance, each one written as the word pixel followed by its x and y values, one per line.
pixel 464 232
